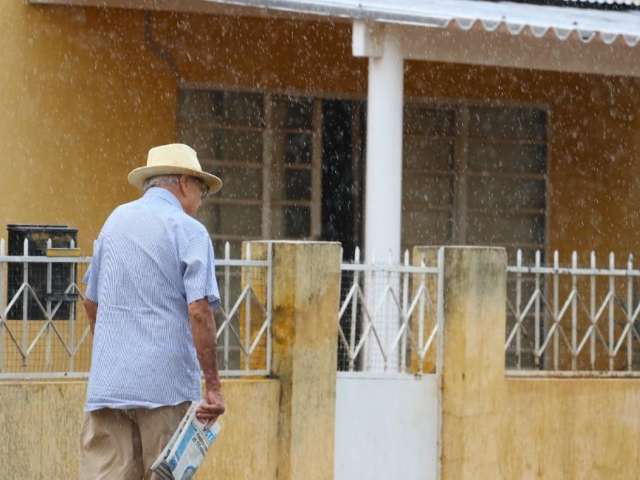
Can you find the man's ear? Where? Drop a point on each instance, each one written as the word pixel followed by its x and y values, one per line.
pixel 182 181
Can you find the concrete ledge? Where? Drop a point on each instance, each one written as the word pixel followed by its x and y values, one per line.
pixel 570 428
pixel 42 422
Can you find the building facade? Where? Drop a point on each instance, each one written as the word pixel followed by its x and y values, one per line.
pixel 518 151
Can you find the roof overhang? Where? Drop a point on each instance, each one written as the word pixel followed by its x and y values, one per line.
pixel 481 32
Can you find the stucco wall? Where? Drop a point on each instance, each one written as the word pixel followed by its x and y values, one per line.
pixel 81 102
pixel 84 98
pixel 570 428
pixel 41 424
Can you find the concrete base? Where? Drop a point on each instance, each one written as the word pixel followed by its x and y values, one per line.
pixel 42 421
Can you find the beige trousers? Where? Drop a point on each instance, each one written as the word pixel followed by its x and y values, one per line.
pixel 122 444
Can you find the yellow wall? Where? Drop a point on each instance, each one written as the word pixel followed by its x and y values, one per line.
pixel 83 99
pixel 41 424
pixel 80 108
pixel 570 429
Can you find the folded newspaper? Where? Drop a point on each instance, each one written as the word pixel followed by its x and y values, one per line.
pixel 187 448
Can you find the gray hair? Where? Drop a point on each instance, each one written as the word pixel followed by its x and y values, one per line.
pixel 160 181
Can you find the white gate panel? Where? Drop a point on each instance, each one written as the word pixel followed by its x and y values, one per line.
pixel 386 427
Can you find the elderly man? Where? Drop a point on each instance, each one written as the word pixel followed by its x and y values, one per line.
pixel 149 298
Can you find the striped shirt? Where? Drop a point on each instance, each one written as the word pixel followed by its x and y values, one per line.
pixel 150 261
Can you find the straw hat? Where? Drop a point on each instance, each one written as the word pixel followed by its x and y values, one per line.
pixel 173 159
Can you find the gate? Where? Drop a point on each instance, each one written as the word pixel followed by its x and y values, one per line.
pixel 387 392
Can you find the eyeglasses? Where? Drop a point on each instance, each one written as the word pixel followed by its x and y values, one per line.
pixel 204 188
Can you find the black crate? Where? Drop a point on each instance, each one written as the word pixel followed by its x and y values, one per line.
pixel 37 235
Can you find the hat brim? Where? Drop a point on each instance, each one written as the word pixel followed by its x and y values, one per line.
pixel 138 176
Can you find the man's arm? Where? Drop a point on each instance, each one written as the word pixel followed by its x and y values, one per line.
pixel 92 312
pixel 203 330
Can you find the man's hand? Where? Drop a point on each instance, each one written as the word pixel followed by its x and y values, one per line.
pixel 212 406
pixel 91 308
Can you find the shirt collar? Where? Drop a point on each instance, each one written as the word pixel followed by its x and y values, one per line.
pixel 163 194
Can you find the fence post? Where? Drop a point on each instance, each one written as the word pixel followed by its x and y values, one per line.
pixel 424 319
pixel 306 299
pixel 25 304
pixel 473 385
pixel 4 291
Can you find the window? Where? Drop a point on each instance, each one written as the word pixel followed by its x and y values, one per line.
pixel 267 150
pixel 475 175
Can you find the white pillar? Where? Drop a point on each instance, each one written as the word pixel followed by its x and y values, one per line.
pixel 383 191
pixel 383 194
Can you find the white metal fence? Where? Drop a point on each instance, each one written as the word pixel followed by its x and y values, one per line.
pixel 573 319
pixel 42 328
pixel 389 316
pixel 245 315
pixel 44 331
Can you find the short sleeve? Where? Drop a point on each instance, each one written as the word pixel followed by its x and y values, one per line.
pixel 90 278
pixel 198 262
